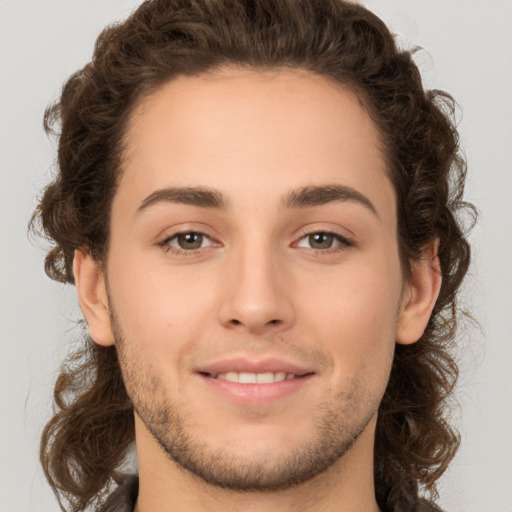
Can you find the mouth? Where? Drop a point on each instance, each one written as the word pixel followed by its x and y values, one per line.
pixel 243 370
pixel 255 378
pixel 247 382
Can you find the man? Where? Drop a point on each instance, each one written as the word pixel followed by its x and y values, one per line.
pixel 253 202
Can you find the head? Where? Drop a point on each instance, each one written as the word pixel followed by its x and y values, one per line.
pixel 316 116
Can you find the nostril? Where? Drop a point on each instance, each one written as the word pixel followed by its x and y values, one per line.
pixel 276 321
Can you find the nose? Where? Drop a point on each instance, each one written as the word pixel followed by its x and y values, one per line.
pixel 256 293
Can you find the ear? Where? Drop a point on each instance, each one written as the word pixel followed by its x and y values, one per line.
pixel 92 295
pixel 419 296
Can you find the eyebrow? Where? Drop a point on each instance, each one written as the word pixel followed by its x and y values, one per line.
pixel 305 197
pixel 310 196
pixel 194 196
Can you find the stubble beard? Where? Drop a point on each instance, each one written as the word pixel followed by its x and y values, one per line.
pixel 337 426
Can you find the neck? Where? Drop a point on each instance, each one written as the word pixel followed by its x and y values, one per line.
pixel 348 485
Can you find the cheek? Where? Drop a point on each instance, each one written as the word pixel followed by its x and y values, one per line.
pixel 354 314
pixel 157 306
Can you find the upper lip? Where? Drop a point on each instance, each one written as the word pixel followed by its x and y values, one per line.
pixel 245 365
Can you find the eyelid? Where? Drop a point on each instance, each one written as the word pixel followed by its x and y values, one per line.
pixel 303 233
pixel 176 235
pixel 183 228
pixel 336 237
pixel 168 247
pixel 343 242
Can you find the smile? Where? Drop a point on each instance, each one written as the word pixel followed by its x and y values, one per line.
pixel 255 389
pixel 254 378
pixel 246 381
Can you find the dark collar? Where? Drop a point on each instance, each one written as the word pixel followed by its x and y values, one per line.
pixel 124 497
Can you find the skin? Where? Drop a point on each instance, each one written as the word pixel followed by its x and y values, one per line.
pixel 258 286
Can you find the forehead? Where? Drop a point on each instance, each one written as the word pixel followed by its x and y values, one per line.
pixel 251 132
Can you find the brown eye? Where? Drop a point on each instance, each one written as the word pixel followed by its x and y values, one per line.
pixel 189 241
pixel 320 240
pixel 186 241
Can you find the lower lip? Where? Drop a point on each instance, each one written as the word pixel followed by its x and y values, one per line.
pixel 256 394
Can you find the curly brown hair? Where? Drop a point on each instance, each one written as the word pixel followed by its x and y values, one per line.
pixel 84 444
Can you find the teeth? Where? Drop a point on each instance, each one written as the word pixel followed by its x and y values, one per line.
pixel 265 378
pixel 247 378
pixel 254 378
pixel 232 377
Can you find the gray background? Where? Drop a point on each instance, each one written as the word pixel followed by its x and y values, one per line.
pixel 468 53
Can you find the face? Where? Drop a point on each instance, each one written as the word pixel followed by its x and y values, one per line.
pixel 253 275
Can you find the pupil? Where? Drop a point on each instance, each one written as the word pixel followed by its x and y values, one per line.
pixel 320 241
pixel 190 240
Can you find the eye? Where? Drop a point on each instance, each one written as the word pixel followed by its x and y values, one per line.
pixel 323 240
pixel 188 241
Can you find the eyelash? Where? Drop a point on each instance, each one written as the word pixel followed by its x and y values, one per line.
pixel 165 244
pixel 343 243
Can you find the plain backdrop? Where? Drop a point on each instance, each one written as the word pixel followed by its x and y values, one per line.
pixel 468 52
